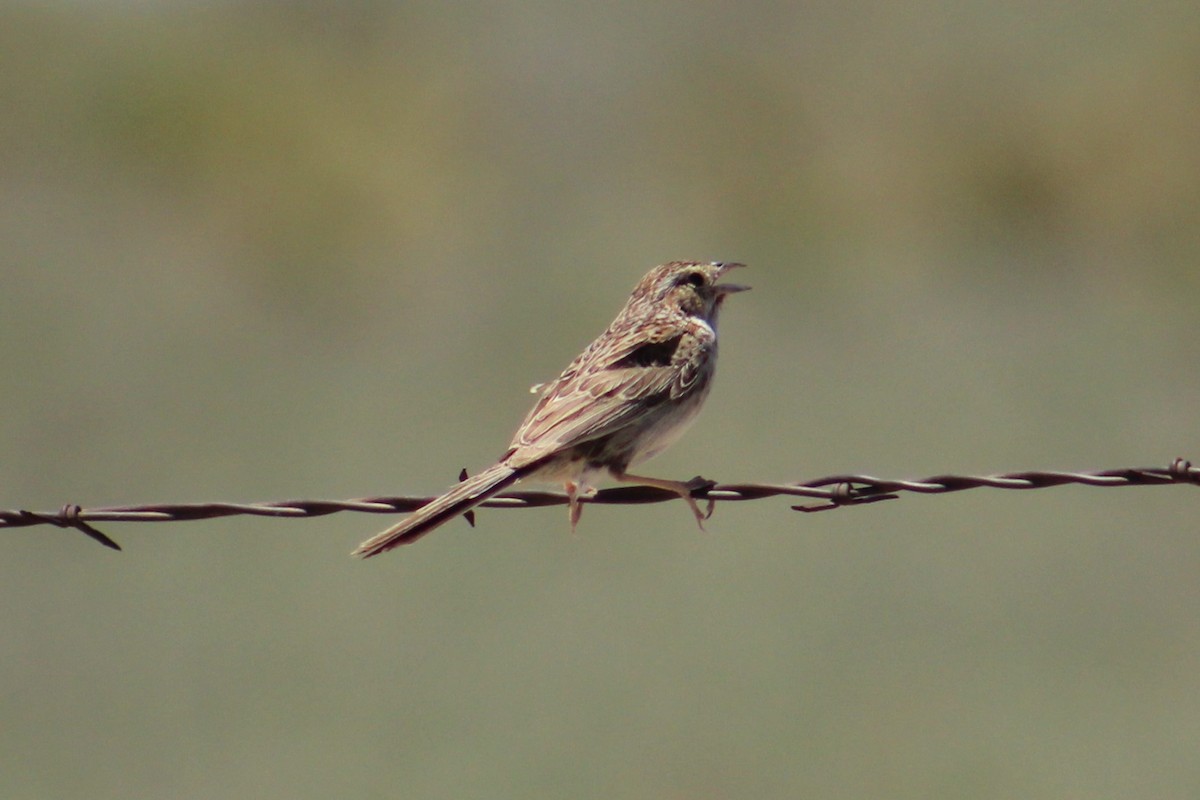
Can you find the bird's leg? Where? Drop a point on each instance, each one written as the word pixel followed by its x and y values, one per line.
pixel 575 491
pixel 574 507
pixel 684 490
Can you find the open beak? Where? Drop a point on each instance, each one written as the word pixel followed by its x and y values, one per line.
pixel 723 289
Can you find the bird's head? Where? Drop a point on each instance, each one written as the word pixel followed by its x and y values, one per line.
pixel 690 286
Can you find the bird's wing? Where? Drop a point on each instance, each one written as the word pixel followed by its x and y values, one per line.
pixel 607 388
pixel 591 406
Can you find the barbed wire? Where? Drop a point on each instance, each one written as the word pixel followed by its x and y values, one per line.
pixel 836 491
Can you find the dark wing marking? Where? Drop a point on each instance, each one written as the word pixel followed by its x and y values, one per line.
pixel 650 354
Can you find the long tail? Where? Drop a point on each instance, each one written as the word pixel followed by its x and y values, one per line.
pixel 459 500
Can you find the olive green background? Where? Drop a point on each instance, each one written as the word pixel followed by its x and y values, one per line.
pixel 266 251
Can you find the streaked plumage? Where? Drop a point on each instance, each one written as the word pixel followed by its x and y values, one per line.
pixel 625 398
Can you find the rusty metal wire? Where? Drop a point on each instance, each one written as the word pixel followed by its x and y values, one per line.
pixel 836 491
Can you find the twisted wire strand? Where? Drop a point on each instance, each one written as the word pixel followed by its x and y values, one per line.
pixel 835 491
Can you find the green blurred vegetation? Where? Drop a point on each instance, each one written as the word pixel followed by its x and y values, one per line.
pixel 256 251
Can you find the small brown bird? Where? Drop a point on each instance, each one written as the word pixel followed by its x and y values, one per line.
pixel 625 398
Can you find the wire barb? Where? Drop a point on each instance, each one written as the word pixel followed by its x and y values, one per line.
pixel 836 491
pixel 69 516
pixel 845 493
pixel 470 515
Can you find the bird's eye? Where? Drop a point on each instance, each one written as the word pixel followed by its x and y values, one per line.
pixel 695 279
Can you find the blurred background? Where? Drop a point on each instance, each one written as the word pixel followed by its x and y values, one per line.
pixel 256 251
